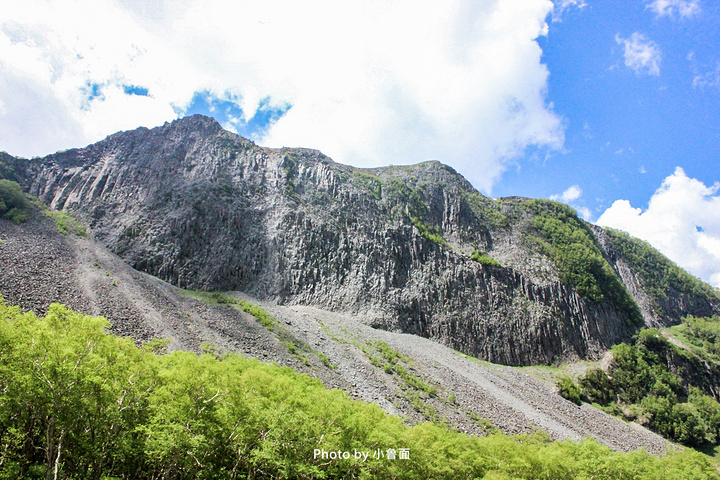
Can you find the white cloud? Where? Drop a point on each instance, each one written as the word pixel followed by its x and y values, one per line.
pixel 569 195
pixel 670 8
pixel 370 82
pixel 710 79
pixel 562 6
pixel 641 54
pixel 682 221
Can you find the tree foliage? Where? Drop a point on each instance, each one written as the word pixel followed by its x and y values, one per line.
pixel 658 273
pixel 640 386
pixel 14 206
pixel 569 242
pixel 76 402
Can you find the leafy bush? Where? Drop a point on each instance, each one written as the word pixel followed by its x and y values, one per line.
pixel 568 390
pixel 14 206
pixel 82 403
pixel 641 387
pixel 596 386
pixel 484 259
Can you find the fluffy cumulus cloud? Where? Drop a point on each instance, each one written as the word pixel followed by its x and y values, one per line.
pixel 682 221
pixel 641 54
pixel 367 82
pixel 672 8
pixel 571 196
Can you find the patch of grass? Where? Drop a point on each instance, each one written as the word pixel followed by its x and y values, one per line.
pixel 428 232
pixel 66 223
pixel 297 347
pixel 369 182
pixel 485 425
pixel 484 259
pixel 332 336
pixel 414 388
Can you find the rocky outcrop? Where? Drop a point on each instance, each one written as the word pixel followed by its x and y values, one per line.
pixel 202 208
pixel 663 292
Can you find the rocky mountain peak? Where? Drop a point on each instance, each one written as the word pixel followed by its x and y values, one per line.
pixel 412 248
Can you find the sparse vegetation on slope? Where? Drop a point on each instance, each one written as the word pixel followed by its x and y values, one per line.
pixel 703 334
pixel 294 345
pixel 658 274
pixel 66 223
pixel 564 238
pixel 78 403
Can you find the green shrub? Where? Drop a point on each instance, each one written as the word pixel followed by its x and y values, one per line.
pixel 93 405
pixel 66 223
pixel 596 387
pixel 14 205
pixel 568 389
pixel 484 259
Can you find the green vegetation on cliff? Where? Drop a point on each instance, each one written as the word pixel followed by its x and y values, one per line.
pixel 484 259
pixel 76 402
pixel 568 241
pixel 656 384
pixel 14 205
pixel 658 274
pixel 703 335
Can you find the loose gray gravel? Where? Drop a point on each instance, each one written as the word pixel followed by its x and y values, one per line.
pixel 39 266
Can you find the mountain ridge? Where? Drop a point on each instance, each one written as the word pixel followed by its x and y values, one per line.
pixel 413 248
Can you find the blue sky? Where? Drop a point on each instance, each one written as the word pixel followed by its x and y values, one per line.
pixel 610 106
pixel 627 129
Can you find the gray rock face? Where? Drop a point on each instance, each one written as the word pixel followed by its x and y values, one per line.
pixel 203 208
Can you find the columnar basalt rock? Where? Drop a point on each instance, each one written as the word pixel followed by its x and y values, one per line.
pixel 407 247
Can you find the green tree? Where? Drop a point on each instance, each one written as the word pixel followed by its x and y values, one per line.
pixel 14 206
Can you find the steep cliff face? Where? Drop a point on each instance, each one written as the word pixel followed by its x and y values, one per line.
pixel 414 249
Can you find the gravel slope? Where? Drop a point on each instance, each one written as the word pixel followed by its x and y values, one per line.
pixel 39 266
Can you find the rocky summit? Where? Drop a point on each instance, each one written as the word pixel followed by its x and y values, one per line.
pixel 412 249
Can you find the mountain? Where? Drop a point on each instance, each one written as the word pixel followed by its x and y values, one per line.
pixel 413 249
pixel 192 234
